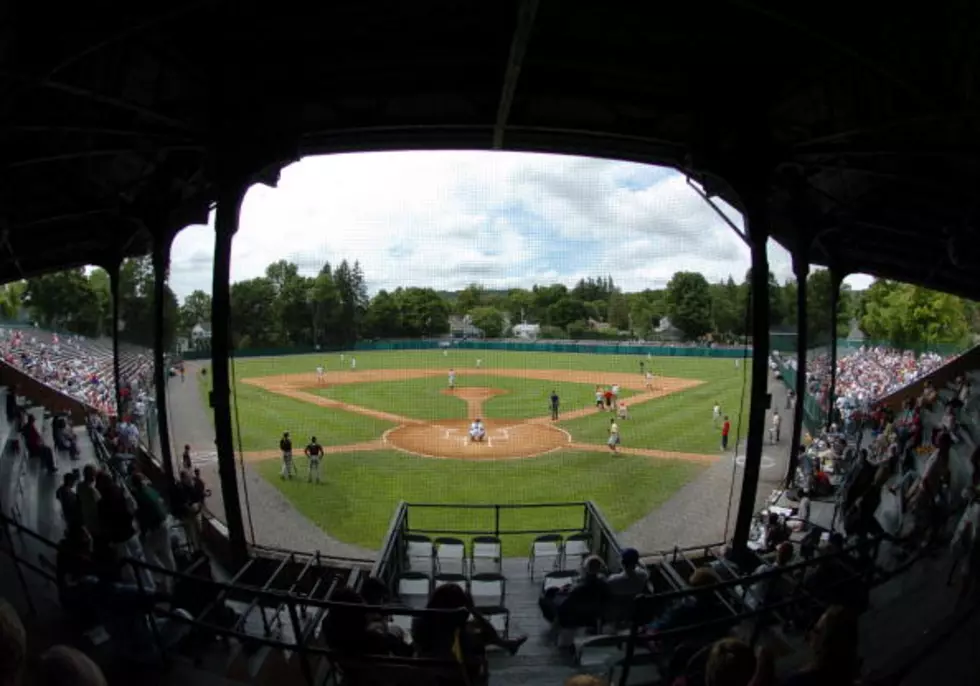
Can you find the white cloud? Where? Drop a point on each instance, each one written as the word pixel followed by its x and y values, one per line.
pixel 446 219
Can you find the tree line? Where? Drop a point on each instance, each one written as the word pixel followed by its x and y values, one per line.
pixel 284 308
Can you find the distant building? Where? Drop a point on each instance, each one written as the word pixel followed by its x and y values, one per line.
pixel 526 330
pixel 597 325
pixel 462 327
pixel 666 331
pixel 200 336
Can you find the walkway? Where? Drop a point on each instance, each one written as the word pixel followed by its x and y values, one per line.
pixel 275 521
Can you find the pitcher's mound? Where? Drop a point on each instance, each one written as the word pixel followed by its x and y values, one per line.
pixel 473 394
pixel 450 439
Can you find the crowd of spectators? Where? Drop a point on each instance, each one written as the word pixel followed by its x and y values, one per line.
pixel 78 367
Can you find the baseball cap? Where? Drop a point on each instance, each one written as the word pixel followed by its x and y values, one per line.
pixel 630 556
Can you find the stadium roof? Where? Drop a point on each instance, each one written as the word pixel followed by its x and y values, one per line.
pixel 863 130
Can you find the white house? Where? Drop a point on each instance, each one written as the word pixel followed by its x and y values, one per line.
pixel 527 330
pixel 462 327
pixel 201 335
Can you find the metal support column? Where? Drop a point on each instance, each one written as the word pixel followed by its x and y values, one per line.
pixel 117 384
pixel 226 224
pixel 835 283
pixel 801 269
pixel 161 266
pixel 758 236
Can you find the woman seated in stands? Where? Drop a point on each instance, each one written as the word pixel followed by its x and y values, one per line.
pixel 929 395
pixel 35 444
pixel 64 437
pixel 348 630
pixel 834 642
pixel 581 604
pixel 690 610
pixel 462 635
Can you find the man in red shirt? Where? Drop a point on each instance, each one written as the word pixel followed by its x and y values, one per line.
pixel 725 428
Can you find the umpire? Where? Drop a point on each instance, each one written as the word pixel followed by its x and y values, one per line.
pixel 554 405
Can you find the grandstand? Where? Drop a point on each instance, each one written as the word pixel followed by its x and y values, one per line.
pixel 856 151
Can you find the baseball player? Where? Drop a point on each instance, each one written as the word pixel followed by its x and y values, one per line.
pixel 353 363
pixel 615 395
pixel 716 413
pixel 623 412
pixel 314 453
pixel 554 406
pixel 445 353
pixel 649 379
pixel 319 373
pixel 613 434
pixel 477 431
pixel 286 446
pixel 452 379
pixel 479 363
pixel 777 422
pixel 599 398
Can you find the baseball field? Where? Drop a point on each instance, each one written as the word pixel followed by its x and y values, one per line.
pixel 393 429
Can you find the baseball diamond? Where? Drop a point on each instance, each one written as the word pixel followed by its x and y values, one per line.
pixel 398 427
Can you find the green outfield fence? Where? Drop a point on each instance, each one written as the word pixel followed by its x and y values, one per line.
pixel 593 347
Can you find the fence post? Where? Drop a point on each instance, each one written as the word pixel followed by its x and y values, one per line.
pixel 300 645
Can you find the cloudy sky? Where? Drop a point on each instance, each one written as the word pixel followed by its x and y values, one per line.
pixel 447 219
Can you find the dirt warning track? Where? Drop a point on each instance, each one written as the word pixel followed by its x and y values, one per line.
pixel 449 439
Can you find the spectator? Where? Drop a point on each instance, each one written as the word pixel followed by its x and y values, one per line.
pixel 154 524
pixel 13 645
pixel 581 604
pixel 71 510
pixel 834 643
pixel 347 630
pixel 762 591
pixel 64 437
pixel 463 636
pixel 88 500
pixel 35 445
pixel 689 610
pixel 185 458
pixel 199 490
pixel 116 511
pixel 187 508
pixel 732 663
pixel 66 666
pixel 633 579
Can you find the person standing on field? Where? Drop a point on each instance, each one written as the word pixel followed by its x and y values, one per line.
pixel 554 406
pixel 777 422
pixel 452 379
pixel 726 427
pixel 286 446
pixel 353 363
pixel 314 453
pixel 613 434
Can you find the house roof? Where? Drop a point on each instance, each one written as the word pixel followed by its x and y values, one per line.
pixel 858 129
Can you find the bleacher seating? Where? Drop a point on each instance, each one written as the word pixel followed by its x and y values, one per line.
pixel 77 366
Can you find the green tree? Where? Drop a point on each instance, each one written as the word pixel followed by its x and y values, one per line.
pixel 423 312
pixel 819 291
pixel 689 303
pixel 489 320
pixel 383 318
pixel 253 309
pixel 325 304
pixel 912 317
pixel 618 313
pixel 519 302
pixel 196 309
pixel 471 297
pixel 566 310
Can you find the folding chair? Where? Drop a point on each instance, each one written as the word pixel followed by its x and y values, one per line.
pixel 576 546
pixel 485 548
pixel 413 588
pixel 449 551
pixel 562 577
pixel 488 589
pixel 455 579
pixel 418 547
pixel 543 547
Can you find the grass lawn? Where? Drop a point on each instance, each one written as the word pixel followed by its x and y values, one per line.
pixel 424 398
pixel 686 367
pixel 263 416
pixel 680 422
pixel 361 491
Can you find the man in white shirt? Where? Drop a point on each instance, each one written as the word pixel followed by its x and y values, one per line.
pixel 633 579
pixel 777 422
pixel 716 414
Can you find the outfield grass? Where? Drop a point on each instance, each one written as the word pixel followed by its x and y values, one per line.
pixel 425 398
pixel 361 491
pixel 263 416
pixel 686 367
pixel 680 421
